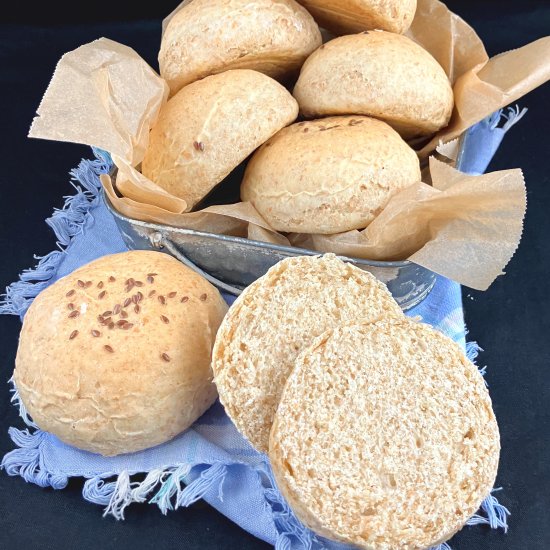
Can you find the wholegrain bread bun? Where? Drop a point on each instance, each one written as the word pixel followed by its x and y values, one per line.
pixel 211 36
pixel 384 75
pixel 209 127
pixel 351 16
pixel 330 175
pixel 385 436
pixel 115 357
pixel 274 319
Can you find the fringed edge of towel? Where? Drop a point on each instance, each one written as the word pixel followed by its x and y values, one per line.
pixel 289 529
pixel 169 489
pixel 66 222
pixel 172 488
pixel 473 350
pixel 17 402
pixel 512 115
pixel 27 460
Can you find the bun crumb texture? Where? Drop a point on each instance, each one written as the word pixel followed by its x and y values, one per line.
pixel 274 319
pixel 384 436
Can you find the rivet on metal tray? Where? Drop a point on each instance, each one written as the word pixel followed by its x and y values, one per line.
pixel 156 240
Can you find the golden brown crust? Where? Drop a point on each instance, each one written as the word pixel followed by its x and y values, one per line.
pixel 274 318
pixel 385 436
pixel 378 74
pixel 200 136
pixel 211 36
pixel 329 175
pixel 115 357
pixel 351 16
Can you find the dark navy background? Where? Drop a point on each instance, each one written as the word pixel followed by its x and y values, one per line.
pixel 511 320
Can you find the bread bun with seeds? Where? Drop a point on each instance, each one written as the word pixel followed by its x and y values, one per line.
pixel 115 357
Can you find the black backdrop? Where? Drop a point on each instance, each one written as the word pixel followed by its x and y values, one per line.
pixel 510 320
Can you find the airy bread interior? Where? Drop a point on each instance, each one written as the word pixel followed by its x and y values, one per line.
pixel 274 319
pixel 385 436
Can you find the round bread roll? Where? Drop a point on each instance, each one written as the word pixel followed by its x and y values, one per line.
pixel 385 437
pixel 115 357
pixel 330 175
pixel 211 36
pixel 384 75
pixel 350 16
pixel 209 127
pixel 274 318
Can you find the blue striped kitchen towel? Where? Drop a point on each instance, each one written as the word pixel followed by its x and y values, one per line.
pixel 211 460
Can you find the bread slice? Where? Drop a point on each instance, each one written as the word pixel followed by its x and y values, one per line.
pixel 274 319
pixel 385 437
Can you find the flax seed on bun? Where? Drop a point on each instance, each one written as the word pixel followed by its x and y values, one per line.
pixel 209 127
pixel 115 357
pixel 211 36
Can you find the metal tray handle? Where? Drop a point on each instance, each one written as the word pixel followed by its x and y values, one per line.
pixel 158 240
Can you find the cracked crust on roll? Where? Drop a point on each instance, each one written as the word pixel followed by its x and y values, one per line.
pixel 351 16
pixel 115 357
pixel 329 175
pixel 209 127
pixel 211 36
pixel 378 74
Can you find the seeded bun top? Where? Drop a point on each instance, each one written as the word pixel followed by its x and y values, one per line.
pixel 115 357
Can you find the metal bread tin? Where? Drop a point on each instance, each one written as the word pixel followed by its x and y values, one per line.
pixel 232 263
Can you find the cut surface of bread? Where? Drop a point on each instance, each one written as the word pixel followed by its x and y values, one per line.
pixel 385 436
pixel 274 319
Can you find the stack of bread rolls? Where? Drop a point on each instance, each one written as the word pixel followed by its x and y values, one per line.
pixel 379 430
pixel 361 95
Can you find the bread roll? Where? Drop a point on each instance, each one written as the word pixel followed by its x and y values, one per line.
pixel 115 357
pixel 211 36
pixel 275 317
pixel 349 16
pixel 330 175
pixel 209 127
pixel 379 74
pixel 385 437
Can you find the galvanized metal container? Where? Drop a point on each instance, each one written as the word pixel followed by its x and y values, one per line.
pixel 232 263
